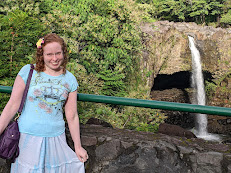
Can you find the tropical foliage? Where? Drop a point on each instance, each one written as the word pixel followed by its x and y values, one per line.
pixel 104 45
pixel 103 42
pixel 199 11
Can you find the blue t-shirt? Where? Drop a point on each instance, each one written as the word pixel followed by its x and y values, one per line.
pixel 42 114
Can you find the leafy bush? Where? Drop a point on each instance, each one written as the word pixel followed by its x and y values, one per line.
pixel 4 99
pixel 226 18
pixel 18 35
pixel 104 43
pixel 210 88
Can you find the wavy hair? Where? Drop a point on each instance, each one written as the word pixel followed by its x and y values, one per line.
pixel 50 38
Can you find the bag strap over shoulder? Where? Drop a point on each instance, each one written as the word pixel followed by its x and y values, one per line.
pixel 26 89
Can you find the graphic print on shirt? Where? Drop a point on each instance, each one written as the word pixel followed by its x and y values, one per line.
pixel 50 94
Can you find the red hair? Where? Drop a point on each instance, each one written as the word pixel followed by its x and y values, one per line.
pixel 50 38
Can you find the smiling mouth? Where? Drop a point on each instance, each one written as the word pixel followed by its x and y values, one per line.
pixel 55 63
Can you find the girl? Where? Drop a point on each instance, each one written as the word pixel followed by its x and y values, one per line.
pixel 43 147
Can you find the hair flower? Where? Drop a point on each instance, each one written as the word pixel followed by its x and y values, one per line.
pixel 40 42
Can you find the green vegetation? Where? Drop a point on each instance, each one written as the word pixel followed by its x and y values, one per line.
pixel 199 11
pixel 104 43
pixel 210 88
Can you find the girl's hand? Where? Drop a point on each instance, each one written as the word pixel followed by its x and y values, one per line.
pixel 81 154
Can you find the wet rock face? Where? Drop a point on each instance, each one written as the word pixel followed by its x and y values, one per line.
pixel 174 130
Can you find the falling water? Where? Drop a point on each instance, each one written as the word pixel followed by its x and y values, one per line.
pixel 199 96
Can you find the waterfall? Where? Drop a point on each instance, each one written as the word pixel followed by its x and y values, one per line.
pixel 199 95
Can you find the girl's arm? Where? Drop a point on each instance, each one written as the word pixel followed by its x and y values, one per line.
pixel 73 124
pixel 13 104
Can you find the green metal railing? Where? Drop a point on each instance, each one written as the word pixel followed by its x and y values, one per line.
pixel 184 107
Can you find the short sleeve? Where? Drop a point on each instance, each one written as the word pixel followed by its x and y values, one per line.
pixel 24 72
pixel 74 85
pixel 73 82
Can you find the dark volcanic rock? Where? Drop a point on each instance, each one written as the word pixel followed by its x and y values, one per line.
pixel 126 151
pixel 174 130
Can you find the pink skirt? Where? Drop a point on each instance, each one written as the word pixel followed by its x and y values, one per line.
pixel 46 155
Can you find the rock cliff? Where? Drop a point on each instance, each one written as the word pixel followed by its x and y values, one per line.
pixel 167 58
pixel 125 151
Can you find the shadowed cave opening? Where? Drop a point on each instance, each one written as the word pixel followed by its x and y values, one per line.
pixel 179 80
pixel 176 87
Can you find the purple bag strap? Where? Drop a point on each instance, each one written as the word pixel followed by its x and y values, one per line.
pixel 26 88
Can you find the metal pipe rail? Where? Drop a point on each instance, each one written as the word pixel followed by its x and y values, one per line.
pixel 184 107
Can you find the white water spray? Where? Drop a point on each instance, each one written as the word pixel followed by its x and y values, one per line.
pixel 199 96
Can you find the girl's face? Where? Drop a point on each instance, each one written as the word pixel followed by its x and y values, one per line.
pixel 53 57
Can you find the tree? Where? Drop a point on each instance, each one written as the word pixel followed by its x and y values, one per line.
pixel 226 18
pixel 108 42
pixel 200 9
pixel 216 11
pixel 18 36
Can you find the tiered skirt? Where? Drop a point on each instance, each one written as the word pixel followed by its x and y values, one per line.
pixel 46 155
